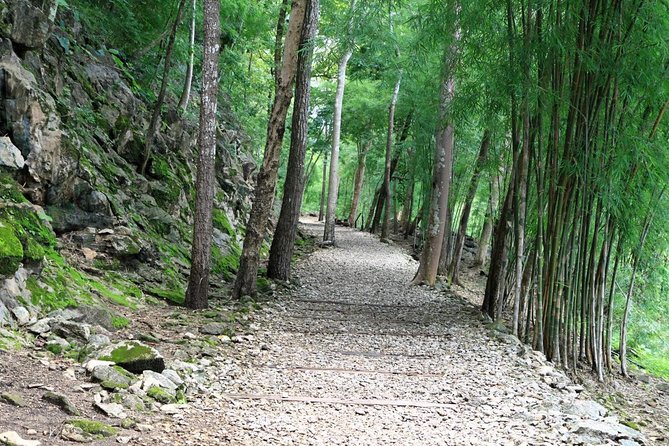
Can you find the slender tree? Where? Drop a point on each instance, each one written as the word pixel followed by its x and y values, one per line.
pixel 198 281
pixel 281 252
pixel 188 82
pixel 245 282
pixel 155 117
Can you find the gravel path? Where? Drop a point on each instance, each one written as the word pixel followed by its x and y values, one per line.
pixel 356 356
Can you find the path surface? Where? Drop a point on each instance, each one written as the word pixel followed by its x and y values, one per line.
pixel 356 356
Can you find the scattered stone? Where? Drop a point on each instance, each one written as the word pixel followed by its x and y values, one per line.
pixel 112 410
pixel 152 379
pixel 11 438
pixel 123 440
pixel 663 387
pixel 41 326
pixel 605 431
pixel 71 330
pixel 60 400
pixel 111 378
pixel 98 340
pixel 173 376
pixel 21 315
pixel 85 431
pixel 133 356
pixel 214 329
pixel 132 402
pixel 10 155
pixel 94 363
pixel 172 409
pixel 13 399
pixel 160 395
pixel 587 409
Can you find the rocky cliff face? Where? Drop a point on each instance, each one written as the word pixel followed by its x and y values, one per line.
pixel 78 224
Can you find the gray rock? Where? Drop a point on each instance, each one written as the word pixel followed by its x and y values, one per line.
pixel 173 376
pixel 10 155
pixel 31 24
pixel 153 379
pixel 5 316
pixel 97 340
pixel 60 400
pixel 110 378
pixel 214 329
pixel 606 431
pixel 11 438
pixel 13 399
pixel 21 315
pixel 587 409
pixel 663 387
pixel 41 326
pixel 133 356
pixel 71 330
pixel 113 410
pixel 132 402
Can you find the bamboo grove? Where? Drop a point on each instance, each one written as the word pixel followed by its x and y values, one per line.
pixel 587 171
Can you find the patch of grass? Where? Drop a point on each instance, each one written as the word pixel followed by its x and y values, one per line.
pixel 120 322
pixel 175 296
pixel 96 429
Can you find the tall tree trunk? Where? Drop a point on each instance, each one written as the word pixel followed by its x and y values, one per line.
pixel 198 281
pixel 281 252
pixel 357 184
pixel 188 83
pixel 466 210
pixel 333 187
pixel 443 160
pixel 245 283
pixel 321 210
pixel 389 154
pixel 155 117
pixel 486 232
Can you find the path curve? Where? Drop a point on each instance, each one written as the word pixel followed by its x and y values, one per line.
pixel 356 356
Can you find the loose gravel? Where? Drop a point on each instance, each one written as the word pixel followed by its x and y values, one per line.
pixel 354 355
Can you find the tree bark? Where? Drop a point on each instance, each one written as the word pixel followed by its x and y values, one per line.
pixel 389 154
pixel 155 117
pixel 357 184
pixel 443 160
pixel 198 281
pixel 278 44
pixel 245 283
pixel 281 252
pixel 333 187
pixel 464 218
pixel 321 210
pixel 486 232
pixel 188 83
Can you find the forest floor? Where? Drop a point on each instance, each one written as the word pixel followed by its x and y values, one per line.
pixel 348 354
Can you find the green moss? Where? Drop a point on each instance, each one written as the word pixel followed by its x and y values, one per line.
pixel 225 265
pixel 130 351
pixel 176 296
pixel 120 322
pixel 160 395
pixel 96 429
pixel 11 250
pixel 631 424
pixel 222 223
pixel 264 285
pixel 9 190
pixel 33 251
pixel 56 349
pixel 160 168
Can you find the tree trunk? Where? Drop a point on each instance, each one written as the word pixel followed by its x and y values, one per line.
pixel 321 210
pixel 486 233
pixel 281 252
pixel 464 218
pixel 443 159
pixel 278 44
pixel 333 188
pixel 245 283
pixel 357 184
pixel 155 117
pixel 188 83
pixel 389 154
pixel 198 281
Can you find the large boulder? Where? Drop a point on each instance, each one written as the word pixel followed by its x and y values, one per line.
pixel 28 23
pixel 133 356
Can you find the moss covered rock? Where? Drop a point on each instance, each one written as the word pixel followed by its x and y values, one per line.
pixel 11 250
pixel 133 356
